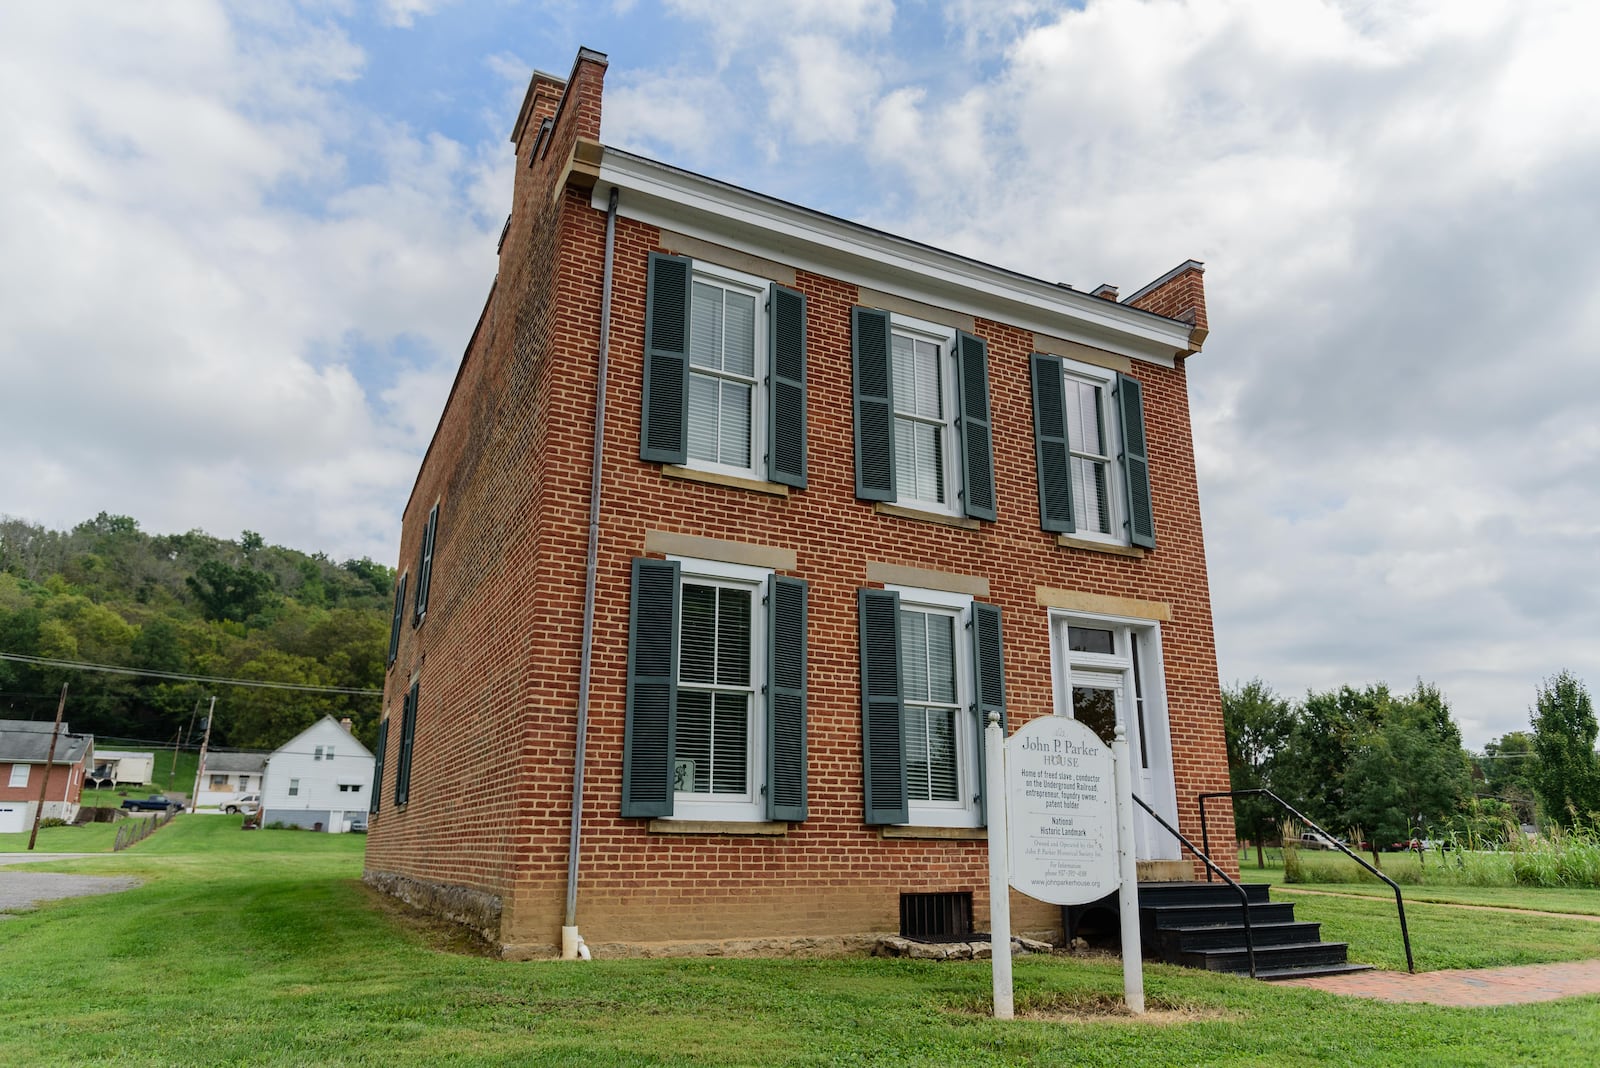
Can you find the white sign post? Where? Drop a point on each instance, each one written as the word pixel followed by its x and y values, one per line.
pixel 1060 803
pixel 994 755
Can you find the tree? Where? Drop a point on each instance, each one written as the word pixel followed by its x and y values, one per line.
pixel 226 592
pixel 1310 772
pixel 1408 770
pixel 1510 766
pixel 1564 730
pixel 1256 721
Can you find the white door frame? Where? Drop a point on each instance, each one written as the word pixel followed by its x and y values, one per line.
pixel 1148 728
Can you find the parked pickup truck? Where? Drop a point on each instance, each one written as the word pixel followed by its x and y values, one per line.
pixel 151 804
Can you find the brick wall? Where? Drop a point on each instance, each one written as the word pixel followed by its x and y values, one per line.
pixel 498 656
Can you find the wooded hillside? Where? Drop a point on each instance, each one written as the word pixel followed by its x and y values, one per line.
pixel 108 593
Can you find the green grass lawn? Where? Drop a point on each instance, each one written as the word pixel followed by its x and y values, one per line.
pixel 263 948
pixel 89 838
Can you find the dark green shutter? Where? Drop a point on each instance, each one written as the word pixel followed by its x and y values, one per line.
pixel 882 709
pixel 786 390
pixel 399 614
pixel 664 431
pixel 650 727
pixel 1136 463
pixel 1052 451
pixel 408 734
pixel 786 698
pixel 989 685
pixel 874 404
pixel 977 430
pixel 375 799
pixel 425 566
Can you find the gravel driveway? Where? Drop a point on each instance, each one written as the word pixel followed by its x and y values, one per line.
pixel 20 890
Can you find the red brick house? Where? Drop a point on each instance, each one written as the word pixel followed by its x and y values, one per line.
pixel 738 519
pixel 26 763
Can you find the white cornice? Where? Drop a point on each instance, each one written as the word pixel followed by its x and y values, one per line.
pixel 664 196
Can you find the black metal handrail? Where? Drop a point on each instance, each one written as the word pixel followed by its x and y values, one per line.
pixel 1399 902
pixel 1244 896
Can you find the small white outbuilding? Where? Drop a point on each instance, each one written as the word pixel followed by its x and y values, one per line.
pixel 320 779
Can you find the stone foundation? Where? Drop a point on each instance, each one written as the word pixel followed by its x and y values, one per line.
pixel 473 909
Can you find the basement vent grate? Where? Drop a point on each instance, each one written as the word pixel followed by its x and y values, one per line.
pixel 945 917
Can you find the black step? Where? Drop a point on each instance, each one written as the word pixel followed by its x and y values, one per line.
pixel 1263 934
pixel 1201 925
pixel 1297 955
pixel 1168 917
pixel 1198 893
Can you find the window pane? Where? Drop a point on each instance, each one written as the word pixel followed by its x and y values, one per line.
pixel 1097 707
pixel 704 417
pixel 739 343
pixel 1091 640
pixel 692 763
pixel 905 458
pixel 931 755
pixel 730 749
pixel 1085 428
pixel 705 326
pixel 930 462
pixel 902 368
pixel 697 641
pixel 942 658
pixel 930 400
pixel 1089 498
pixel 735 448
pixel 733 637
pixel 914 655
pixel 712 755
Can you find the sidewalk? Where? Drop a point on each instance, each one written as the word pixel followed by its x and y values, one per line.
pixel 1517 985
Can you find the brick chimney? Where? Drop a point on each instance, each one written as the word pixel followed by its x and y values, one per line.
pixel 1179 294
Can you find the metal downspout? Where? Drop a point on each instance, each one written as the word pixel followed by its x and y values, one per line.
pixel 572 947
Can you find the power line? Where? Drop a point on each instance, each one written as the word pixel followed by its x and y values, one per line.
pixel 44 661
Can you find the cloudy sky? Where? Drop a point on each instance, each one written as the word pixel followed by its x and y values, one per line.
pixel 242 246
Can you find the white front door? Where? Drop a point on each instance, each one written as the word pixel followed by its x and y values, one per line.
pixel 1109 670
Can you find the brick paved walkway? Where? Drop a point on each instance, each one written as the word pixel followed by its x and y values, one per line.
pixel 1516 985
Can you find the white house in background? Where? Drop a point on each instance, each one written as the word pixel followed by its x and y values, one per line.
pixel 114 767
pixel 226 776
pixel 321 779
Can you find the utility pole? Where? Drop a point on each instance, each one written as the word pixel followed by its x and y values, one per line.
pixel 194 801
pixel 49 762
pixel 183 738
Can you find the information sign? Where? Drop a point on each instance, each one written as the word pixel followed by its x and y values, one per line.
pixel 1063 812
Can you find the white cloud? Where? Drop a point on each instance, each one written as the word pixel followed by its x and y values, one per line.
pixel 403 13
pixel 208 304
pixel 819 91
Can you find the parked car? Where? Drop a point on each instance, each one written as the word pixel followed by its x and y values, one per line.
pixel 246 804
pixel 152 804
pixel 358 826
pixel 1313 840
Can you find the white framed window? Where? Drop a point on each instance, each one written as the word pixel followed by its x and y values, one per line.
pixel 318 754
pixel 1106 668
pixel 220 782
pixel 936 677
pixel 19 774
pixel 720 735
pixel 349 788
pixel 727 371
pixel 294 787
pixel 923 369
pixel 1094 434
